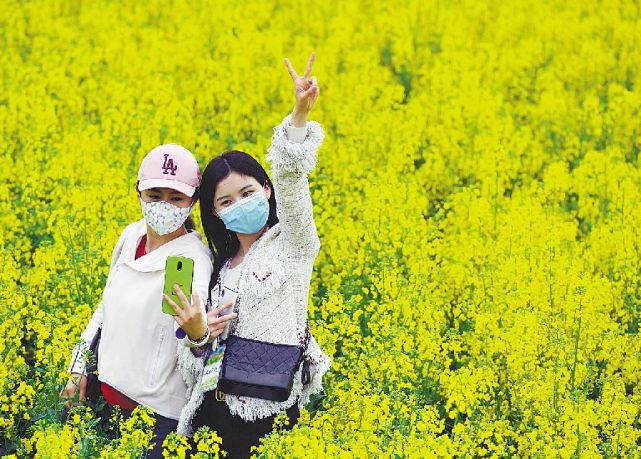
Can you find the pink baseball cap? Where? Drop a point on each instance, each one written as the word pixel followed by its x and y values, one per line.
pixel 169 166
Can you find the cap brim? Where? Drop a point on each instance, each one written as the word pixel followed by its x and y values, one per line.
pixel 163 183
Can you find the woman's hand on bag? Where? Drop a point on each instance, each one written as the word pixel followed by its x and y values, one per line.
pixel 217 324
pixel 190 317
pixel 77 382
pixel 305 90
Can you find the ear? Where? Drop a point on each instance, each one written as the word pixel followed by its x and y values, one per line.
pixel 268 191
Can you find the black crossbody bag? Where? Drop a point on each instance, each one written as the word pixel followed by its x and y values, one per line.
pixel 261 369
pixel 92 391
pixel 93 384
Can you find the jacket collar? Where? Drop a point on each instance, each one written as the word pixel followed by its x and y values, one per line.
pixel 156 259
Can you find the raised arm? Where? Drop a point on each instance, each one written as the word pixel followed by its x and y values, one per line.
pixel 293 155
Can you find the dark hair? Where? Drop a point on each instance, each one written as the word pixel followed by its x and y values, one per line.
pixel 189 223
pixel 224 243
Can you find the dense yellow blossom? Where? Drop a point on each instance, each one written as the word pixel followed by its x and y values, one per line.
pixel 477 198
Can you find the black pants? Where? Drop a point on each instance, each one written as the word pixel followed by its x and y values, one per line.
pixel 238 435
pixel 162 427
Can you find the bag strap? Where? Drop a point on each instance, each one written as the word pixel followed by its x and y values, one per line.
pixel 307 335
pixel 243 268
pixel 234 322
pixel 305 372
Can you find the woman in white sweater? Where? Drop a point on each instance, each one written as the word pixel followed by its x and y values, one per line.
pixel 264 239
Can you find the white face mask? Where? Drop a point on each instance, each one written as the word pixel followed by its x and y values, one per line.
pixel 163 217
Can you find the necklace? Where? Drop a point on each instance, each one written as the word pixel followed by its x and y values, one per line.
pixel 225 286
pixel 243 268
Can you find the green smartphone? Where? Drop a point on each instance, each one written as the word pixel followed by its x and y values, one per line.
pixel 178 270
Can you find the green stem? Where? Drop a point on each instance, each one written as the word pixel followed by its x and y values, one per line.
pixel 576 348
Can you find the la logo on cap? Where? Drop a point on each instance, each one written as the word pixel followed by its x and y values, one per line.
pixel 169 165
pixel 160 169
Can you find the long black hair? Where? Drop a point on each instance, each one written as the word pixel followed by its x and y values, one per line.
pixel 224 243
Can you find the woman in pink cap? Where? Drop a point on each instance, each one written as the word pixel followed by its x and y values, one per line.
pixel 265 242
pixel 139 343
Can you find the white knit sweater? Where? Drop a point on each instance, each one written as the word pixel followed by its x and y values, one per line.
pixel 274 309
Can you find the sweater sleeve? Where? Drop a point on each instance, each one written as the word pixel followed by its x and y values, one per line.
pixel 78 362
pixel 291 162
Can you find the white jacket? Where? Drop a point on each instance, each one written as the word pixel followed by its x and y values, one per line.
pixel 273 307
pixel 138 345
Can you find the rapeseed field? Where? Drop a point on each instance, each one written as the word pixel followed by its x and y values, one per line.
pixel 477 198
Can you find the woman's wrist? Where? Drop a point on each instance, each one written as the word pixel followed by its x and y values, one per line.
pixel 201 340
pixel 299 118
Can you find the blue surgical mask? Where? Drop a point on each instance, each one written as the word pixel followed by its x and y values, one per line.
pixel 246 216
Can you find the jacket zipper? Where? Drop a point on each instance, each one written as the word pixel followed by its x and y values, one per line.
pixel 154 369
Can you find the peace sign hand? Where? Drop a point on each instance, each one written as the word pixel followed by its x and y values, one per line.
pixel 305 88
pixel 218 323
